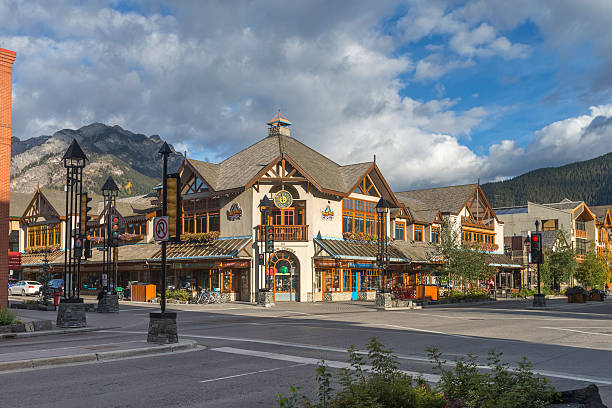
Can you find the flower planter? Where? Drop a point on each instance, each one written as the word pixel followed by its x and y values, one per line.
pixel 578 298
pixel 596 297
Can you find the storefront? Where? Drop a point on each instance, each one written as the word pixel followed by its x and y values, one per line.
pixel 284 272
pixel 345 280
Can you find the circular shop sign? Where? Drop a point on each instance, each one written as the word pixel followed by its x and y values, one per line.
pixel 283 199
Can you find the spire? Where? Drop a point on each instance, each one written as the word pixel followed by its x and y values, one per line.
pixel 279 125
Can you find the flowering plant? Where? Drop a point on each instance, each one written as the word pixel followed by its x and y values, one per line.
pixel 360 236
pixel 130 237
pixel 201 237
pixel 41 249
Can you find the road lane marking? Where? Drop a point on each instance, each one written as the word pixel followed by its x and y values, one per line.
pixel 252 372
pixel 579 331
pixel 420 330
pixel 313 361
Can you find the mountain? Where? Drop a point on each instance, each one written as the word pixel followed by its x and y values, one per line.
pixel 589 181
pixel 132 159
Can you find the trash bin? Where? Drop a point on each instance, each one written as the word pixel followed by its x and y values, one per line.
pixel 56 298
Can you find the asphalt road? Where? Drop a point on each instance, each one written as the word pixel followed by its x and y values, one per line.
pixel 250 354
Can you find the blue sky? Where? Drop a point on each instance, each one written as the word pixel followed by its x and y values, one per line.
pixel 443 92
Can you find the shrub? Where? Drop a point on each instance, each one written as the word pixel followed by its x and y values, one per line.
pixel 464 386
pixel 576 290
pixel 6 316
pixel 180 294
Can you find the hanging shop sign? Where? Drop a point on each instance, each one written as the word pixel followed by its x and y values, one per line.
pixel 360 265
pixel 283 199
pixel 327 213
pixel 325 263
pixel 234 213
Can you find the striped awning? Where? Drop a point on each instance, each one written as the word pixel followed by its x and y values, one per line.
pixel 220 248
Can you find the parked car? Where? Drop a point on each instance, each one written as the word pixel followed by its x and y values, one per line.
pixel 57 285
pixel 24 288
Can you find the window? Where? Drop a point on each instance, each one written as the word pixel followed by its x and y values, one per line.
pixel 358 216
pixel 418 233
pixel 476 237
pixel 580 225
pixel 44 235
pixel 201 215
pixel 400 229
pixel 581 246
pixel 435 235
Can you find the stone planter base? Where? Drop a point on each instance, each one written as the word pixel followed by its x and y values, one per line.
pixel 539 300
pixel 162 328
pixel 265 299
pixel 576 299
pixel 71 314
pixel 32 306
pixel 109 304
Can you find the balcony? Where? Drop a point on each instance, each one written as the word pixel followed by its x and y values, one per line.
pixel 287 233
pixel 580 233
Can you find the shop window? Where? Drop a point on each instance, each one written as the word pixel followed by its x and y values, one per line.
pixel 332 280
pixel 418 233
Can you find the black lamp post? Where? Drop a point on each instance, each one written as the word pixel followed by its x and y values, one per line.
pixel 74 162
pixel 382 258
pixel 526 242
pixel 265 206
pixel 537 225
pixel 109 192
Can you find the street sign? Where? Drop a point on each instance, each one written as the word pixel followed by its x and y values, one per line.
pixel 160 229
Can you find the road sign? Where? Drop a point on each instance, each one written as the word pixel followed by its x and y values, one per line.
pixel 160 229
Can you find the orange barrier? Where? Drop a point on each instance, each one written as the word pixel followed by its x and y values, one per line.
pixel 142 293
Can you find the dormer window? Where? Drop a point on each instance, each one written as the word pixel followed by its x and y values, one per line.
pixel 418 233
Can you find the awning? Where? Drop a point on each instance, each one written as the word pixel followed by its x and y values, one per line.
pixel 217 249
pixel 502 261
pixel 358 250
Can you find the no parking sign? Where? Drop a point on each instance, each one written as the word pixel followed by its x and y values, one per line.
pixel 160 229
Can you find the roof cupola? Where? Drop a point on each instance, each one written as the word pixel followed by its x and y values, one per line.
pixel 279 125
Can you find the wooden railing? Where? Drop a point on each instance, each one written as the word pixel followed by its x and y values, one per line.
pixel 580 233
pixel 469 222
pixel 287 233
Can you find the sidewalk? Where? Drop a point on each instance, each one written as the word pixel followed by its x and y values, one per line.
pixel 35 358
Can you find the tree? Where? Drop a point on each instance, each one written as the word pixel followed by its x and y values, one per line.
pixel 559 262
pixel 44 278
pixel 461 261
pixel 592 272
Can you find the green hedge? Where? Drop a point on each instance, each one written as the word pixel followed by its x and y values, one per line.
pixel 6 316
pixel 180 294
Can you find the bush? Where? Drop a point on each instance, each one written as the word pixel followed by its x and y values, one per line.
pixel 464 386
pixel 6 316
pixel 576 290
pixel 180 294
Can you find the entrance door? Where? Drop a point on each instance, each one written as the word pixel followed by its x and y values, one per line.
pixel 350 283
pixel 284 269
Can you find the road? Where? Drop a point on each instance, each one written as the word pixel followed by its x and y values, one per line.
pixel 249 354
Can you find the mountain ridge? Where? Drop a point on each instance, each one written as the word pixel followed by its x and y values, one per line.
pixel 588 180
pixel 131 158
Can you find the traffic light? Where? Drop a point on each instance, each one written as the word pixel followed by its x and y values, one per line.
pixel 536 248
pixel 379 261
pixel 87 246
pixel 83 214
pixel 262 260
pixel 114 231
pixel 173 206
pixel 78 248
pixel 269 238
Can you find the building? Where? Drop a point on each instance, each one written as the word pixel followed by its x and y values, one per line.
pixel 323 219
pixel 573 218
pixel 7 58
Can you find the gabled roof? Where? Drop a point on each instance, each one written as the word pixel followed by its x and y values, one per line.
pixel 56 198
pixel 446 199
pixel 18 204
pixel 428 216
pixel 245 167
pixel 564 204
pixel 600 212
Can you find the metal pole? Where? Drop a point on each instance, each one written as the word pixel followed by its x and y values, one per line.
pixel 538 263
pixel 163 244
pixel 69 217
pixel 81 227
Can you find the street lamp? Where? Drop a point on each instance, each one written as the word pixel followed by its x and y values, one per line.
pixel 382 257
pixel 109 192
pixel 537 225
pixel 74 162
pixel 71 311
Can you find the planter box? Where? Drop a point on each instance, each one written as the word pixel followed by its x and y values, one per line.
pixel 576 298
pixel 596 297
pixel 32 306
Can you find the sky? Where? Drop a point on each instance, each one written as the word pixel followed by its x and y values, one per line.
pixel 443 92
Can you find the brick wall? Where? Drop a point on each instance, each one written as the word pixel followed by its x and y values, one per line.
pixel 6 88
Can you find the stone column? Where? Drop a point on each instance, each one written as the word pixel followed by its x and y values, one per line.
pixel 71 313
pixel 383 300
pixel 6 97
pixel 109 304
pixel 162 328
pixel 265 299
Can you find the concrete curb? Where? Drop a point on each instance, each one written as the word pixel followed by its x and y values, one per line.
pixel 53 332
pixel 101 356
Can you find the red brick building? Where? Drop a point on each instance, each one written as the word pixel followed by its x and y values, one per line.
pixel 6 88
